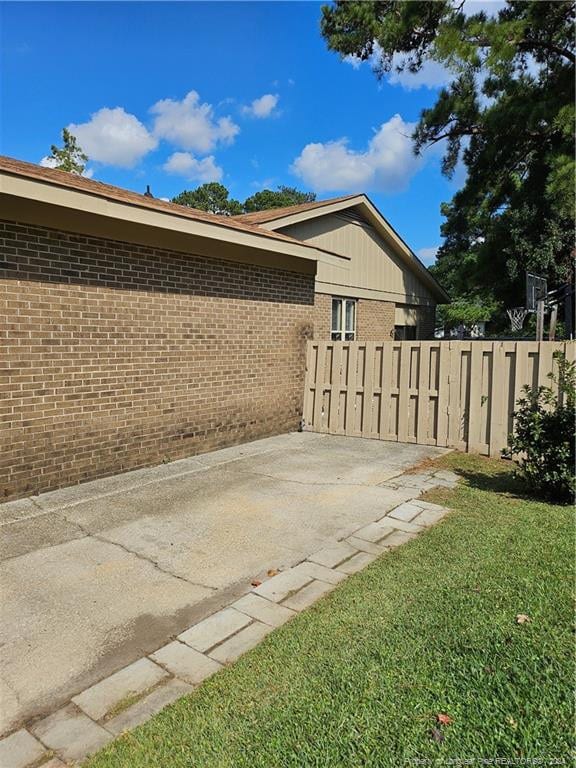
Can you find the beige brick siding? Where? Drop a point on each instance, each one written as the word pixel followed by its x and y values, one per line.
pixel 374 319
pixel 121 356
pixel 322 316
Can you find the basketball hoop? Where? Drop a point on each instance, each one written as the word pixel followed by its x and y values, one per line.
pixel 517 316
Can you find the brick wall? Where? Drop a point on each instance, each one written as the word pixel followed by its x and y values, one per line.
pixel 322 316
pixel 374 319
pixel 121 356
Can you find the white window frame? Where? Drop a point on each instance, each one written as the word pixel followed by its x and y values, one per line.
pixel 343 333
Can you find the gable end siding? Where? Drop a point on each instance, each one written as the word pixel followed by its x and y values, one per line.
pixel 374 264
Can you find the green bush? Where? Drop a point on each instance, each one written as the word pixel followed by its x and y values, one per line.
pixel 544 435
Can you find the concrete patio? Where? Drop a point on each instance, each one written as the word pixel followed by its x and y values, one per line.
pixel 96 576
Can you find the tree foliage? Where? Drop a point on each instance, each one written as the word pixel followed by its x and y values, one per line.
pixel 69 157
pixel 465 311
pixel 212 197
pixel 281 198
pixel 507 115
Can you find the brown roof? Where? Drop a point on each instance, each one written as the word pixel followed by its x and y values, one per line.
pixel 259 217
pixel 99 189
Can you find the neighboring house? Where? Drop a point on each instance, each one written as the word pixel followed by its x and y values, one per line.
pixel 383 292
pixel 139 331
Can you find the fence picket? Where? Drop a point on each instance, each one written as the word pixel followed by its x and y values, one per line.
pixel 454 402
pixel 498 397
pixel 423 393
pixel 336 382
pixel 475 405
pixel 443 392
pixel 403 396
pixel 384 426
pixel 367 410
pixel 319 399
pixel 351 390
pixel 309 384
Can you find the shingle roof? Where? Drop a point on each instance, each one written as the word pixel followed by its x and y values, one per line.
pixel 259 217
pixel 99 189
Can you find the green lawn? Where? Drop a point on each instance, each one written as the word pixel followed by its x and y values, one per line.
pixel 359 679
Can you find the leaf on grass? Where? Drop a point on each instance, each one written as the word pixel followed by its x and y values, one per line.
pixel 272 572
pixel 512 723
pixel 437 735
pixel 522 618
pixel 255 583
pixel 444 719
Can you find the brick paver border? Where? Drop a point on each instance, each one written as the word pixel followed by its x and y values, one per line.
pixel 134 694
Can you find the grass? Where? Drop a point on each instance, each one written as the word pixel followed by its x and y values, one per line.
pixel 431 628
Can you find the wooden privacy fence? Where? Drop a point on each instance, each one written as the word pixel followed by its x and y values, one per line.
pixel 456 394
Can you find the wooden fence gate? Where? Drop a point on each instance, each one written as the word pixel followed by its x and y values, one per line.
pixel 457 394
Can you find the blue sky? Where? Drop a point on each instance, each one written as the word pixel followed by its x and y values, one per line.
pixel 174 94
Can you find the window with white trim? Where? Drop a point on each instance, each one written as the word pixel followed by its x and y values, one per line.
pixel 343 319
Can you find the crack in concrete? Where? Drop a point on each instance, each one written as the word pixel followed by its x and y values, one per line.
pixel 139 555
pixel 154 563
pixel 310 483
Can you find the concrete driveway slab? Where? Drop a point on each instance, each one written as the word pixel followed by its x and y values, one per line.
pixel 75 612
pixel 37 532
pixel 96 576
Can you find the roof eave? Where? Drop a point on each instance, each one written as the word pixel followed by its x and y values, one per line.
pixel 286 220
pixel 51 193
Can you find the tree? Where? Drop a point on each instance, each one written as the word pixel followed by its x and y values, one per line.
pixel 507 115
pixel 70 156
pixel 214 198
pixel 464 311
pixel 211 197
pixel 283 197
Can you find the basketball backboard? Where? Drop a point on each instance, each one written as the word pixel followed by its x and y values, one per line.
pixel 536 290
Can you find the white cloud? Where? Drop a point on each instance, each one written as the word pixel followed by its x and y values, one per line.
pixel 354 61
pixel 185 164
pixel 114 137
pixel 264 183
pixel 191 124
pixel 262 107
pixel 386 165
pixel 51 162
pixel 431 74
pixel 428 255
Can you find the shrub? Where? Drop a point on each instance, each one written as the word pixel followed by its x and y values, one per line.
pixel 544 435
